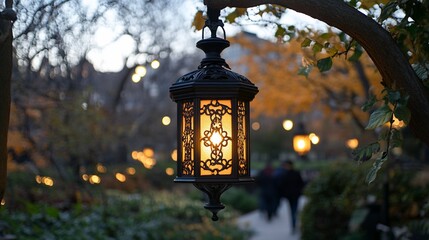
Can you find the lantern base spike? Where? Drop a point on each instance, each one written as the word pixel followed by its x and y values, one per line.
pixel 213 191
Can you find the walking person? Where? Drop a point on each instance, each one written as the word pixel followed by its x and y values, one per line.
pixel 267 191
pixel 290 185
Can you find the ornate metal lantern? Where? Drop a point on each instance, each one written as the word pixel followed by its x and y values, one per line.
pixel 301 141
pixel 213 121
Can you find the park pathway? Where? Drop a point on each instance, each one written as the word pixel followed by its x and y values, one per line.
pixel 279 228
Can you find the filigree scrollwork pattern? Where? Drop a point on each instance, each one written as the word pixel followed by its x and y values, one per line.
pixel 188 138
pixel 241 139
pixel 216 138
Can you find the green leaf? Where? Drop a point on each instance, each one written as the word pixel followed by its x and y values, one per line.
pixel 238 12
pixel 317 47
pixel 379 117
pixel 324 64
pixel 198 21
pixel 281 31
pixel 365 153
pixel 393 96
pixel 356 55
pixel 326 36
pixel 372 174
pixel 369 103
pixel 305 70
pixel 306 42
pixel 396 138
pixel 402 113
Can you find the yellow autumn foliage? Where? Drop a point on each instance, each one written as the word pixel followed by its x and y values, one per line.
pixel 274 67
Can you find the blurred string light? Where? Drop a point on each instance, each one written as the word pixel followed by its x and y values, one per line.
pixel 287 125
pixel 120 177
pixel 155 64
pixel 85 177
pixel 256 126
pixel 101 168
pixel 131 171
pixel 139 73
pixel 169 171
pixel 166 120
pixel 146 157
pixel 314 138
pixel 174 155
pixel 94 179
pixel 352 143
pixel 48 181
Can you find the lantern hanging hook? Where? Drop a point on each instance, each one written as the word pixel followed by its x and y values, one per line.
pixel 213 22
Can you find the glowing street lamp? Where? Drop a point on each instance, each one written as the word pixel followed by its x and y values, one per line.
pixel 301 141
pixel 213 121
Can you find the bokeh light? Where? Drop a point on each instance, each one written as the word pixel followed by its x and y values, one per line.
pixel 256 126
pixel 352 143
pixel 120 177
pixel 155 64
pixel 287 125
pixel 174 155
pixel 169 171
pixel 141 71
pixel 166 120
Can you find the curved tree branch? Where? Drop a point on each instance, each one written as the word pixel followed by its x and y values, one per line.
pixel 394 67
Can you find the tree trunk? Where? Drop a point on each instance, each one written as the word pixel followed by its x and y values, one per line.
pixel 5 78
pixel 394 67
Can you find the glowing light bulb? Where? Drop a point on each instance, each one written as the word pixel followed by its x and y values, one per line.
pixel 216 138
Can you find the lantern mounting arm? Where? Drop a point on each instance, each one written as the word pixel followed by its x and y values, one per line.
pixel 213 22
pixel 213 46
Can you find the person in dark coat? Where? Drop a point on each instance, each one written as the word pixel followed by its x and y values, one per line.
pixel 290 185
pixel 267 191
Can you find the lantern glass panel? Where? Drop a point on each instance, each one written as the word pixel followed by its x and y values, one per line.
pixel 187 139
pixel 216 137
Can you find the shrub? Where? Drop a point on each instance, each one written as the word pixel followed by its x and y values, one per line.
pixel 133 216
pixel 340 190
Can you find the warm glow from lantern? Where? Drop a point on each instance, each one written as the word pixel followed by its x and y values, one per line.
pixel 287 125
pixel 216 133
pixel 169 171
pixel 301 144
pixel 352 143
pixel 166 120
pixel 174 155
pixel 120 177
pixel 155 64
pixel 216 138
pixel 3 202
pixel 141 71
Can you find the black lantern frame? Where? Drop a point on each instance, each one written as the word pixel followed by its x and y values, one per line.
pixel 213 121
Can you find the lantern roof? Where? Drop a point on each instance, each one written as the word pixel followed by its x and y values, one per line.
pixel 213 77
